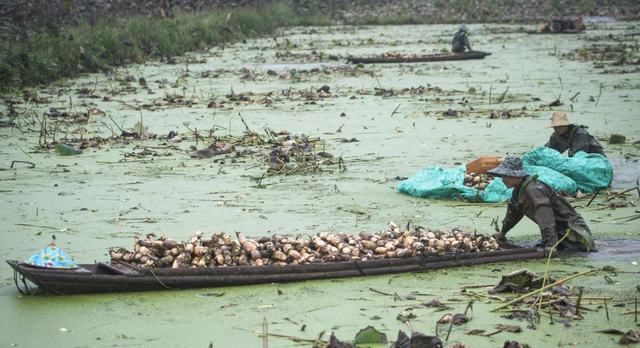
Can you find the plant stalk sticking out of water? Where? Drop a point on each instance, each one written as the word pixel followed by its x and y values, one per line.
pixel 355 207
pixel 544 279
pixel 561 85
pixel 245 123
pixel 265 333
pixel 379 85
pixel 141 124
pixel 501 98
pixel 490 90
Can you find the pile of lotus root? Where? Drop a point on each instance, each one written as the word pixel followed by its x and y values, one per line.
pixel 479 182
pixel 396 55
pixel 222 250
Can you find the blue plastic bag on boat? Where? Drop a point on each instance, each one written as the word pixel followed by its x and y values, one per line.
pixel 51 257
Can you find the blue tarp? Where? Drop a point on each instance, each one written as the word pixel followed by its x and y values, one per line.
pixel 589 171
pixel 584 172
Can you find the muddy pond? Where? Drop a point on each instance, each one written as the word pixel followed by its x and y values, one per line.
pixel 380 123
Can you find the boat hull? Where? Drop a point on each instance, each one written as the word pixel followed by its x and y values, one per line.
pixel 425 58
pixel 108 277
pixel 555 32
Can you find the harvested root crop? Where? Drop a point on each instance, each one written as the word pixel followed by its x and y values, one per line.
pixel 222 250
pixel 478 181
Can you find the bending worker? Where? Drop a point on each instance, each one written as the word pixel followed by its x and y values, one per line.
pixel 572 137
pixel 461 40
pixel 542 204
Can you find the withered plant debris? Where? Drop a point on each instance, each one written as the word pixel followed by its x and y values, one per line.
pixel 566 307
pixel 629 337
pixel 405 318
pixel 514 282
pixel 510 328
pixel 562 291
pixel 458 345
pixel 418 340
pixel 334 343
pixel 537 284
pixel 397 178
pixel 514 344
pixel 457 319
pixel 475 332
pixel 433 303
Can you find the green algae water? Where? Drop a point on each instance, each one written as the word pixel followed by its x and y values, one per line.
pixel 104 197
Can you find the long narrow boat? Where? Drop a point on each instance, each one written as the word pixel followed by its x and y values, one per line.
pixel 111 277
pixel 556 32
pixel 425 58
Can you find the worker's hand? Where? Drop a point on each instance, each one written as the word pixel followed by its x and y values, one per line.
pixel 548 250
pixel 500 237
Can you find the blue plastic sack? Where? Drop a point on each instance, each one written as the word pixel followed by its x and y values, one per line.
pixel 435 182
pixel 589 171
pixel 558 181
pixel 584 172
pixel 496 192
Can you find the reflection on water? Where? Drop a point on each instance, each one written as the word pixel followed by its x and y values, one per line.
pixel 616 249
pixel 609 249
pixel 625 172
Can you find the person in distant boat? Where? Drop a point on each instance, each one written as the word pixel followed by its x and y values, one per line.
pixel 572 137
pixel 461 40
pixel 545 26
pixel 542 204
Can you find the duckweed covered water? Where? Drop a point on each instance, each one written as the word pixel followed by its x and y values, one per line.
pixel 91 202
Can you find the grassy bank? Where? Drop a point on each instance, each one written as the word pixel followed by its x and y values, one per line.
pixel 54 52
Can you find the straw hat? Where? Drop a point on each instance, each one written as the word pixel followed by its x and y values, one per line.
pixel 559 118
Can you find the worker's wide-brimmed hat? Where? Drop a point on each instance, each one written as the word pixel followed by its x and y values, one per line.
pixel 463 27
pixel 559 118
pixel 510 166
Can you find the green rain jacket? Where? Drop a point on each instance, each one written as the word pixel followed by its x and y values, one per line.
pixel 548 209
pixel 460 41
pixel 576 139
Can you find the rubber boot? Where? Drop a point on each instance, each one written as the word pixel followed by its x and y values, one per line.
pixel 500 237
pixel 549 250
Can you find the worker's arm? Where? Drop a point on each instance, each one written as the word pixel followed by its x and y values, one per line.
pixel 579 142
pixel 466 42
pixel 555 144
pixel 544 216
pixel 512 218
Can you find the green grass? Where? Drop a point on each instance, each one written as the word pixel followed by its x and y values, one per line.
pixel 52 55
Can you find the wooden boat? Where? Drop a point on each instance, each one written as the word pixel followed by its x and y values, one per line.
pixel 556 32
pixel 111 277
pixel 425 58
